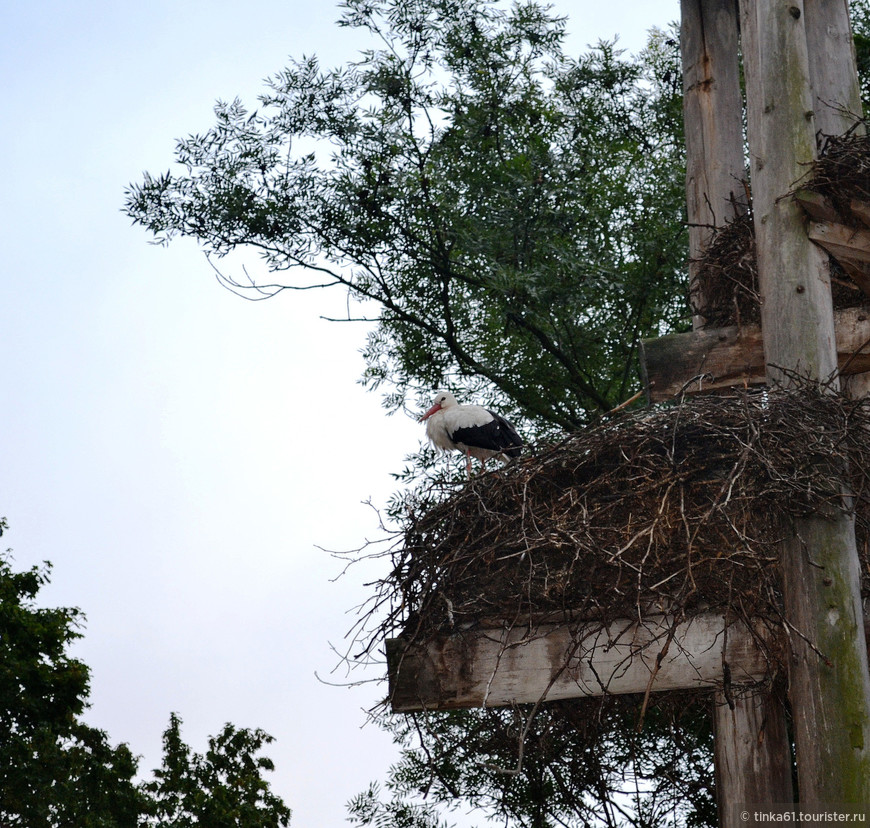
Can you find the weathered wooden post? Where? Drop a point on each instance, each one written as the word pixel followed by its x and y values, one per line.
pixel 829 681
pixel 752 756
pixel 836 92
pixel 836 95
pixel 713 118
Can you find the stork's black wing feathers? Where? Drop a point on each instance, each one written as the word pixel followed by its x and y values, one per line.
pixel 513 442
pixel 496 435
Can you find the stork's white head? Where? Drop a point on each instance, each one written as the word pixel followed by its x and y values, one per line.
pixel 443 399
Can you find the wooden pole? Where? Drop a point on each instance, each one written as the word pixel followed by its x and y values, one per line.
pixel 836 91
pixel 713 118
pixel 748 768
pixel 833 70
pixel 751 754
pixel 829 685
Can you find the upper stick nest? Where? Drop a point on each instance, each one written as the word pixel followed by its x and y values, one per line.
pixel 726 277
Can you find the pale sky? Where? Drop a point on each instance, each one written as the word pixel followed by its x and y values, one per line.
pixel 180 454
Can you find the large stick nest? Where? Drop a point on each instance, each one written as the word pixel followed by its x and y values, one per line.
pixel 725 286
pixel 842 173
pixel 677 509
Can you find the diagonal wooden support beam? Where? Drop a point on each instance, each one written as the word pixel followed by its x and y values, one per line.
pixel 839 240
pixel 848 245
pixel 519 665
pixel 861 209
pixel 820 208
pixel 817 206
pixel 717 359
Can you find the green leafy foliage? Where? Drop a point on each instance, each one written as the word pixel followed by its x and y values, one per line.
pixel 223 788
pixel 369 809
pixel 515 215
pixel 55 771
pixel 859 11
pixel 555 766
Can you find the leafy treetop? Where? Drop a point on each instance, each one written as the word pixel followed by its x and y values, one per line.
pixel 513 216
pixel 58 772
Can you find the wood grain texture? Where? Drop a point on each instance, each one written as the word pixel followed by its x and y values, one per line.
pixel 504 666
pixel 848 245
pixel 861 209
pixel 836 95
pixel 713 118
pixel 718 359
pixel 752 757
pixel 817 206
pixel 841 241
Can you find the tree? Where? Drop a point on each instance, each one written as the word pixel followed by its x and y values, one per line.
pixel 223 788
pixel 514 215
pixel 859 11
pixel 550 767
pixel 55 771
pixel 58 772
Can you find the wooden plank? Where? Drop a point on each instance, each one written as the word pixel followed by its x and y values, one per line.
pixel 713 118
pixel 857 386
pixel 859 273
pixel 504 666
pixel 841 241
pixel 848 245
pixel 861 209
pixel 829 685
pixel 714 360
pixel 816 206
pixel 702 361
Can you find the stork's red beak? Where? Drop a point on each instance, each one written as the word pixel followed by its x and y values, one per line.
pixel 430 412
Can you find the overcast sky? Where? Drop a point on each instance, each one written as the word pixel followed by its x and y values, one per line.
pixel 182 456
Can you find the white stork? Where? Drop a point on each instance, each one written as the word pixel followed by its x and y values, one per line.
pixel 476 430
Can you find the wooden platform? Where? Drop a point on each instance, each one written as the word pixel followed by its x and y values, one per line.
pixel 721 358
pixel 523 664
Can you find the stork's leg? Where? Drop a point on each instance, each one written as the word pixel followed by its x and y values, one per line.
pixel 468 463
